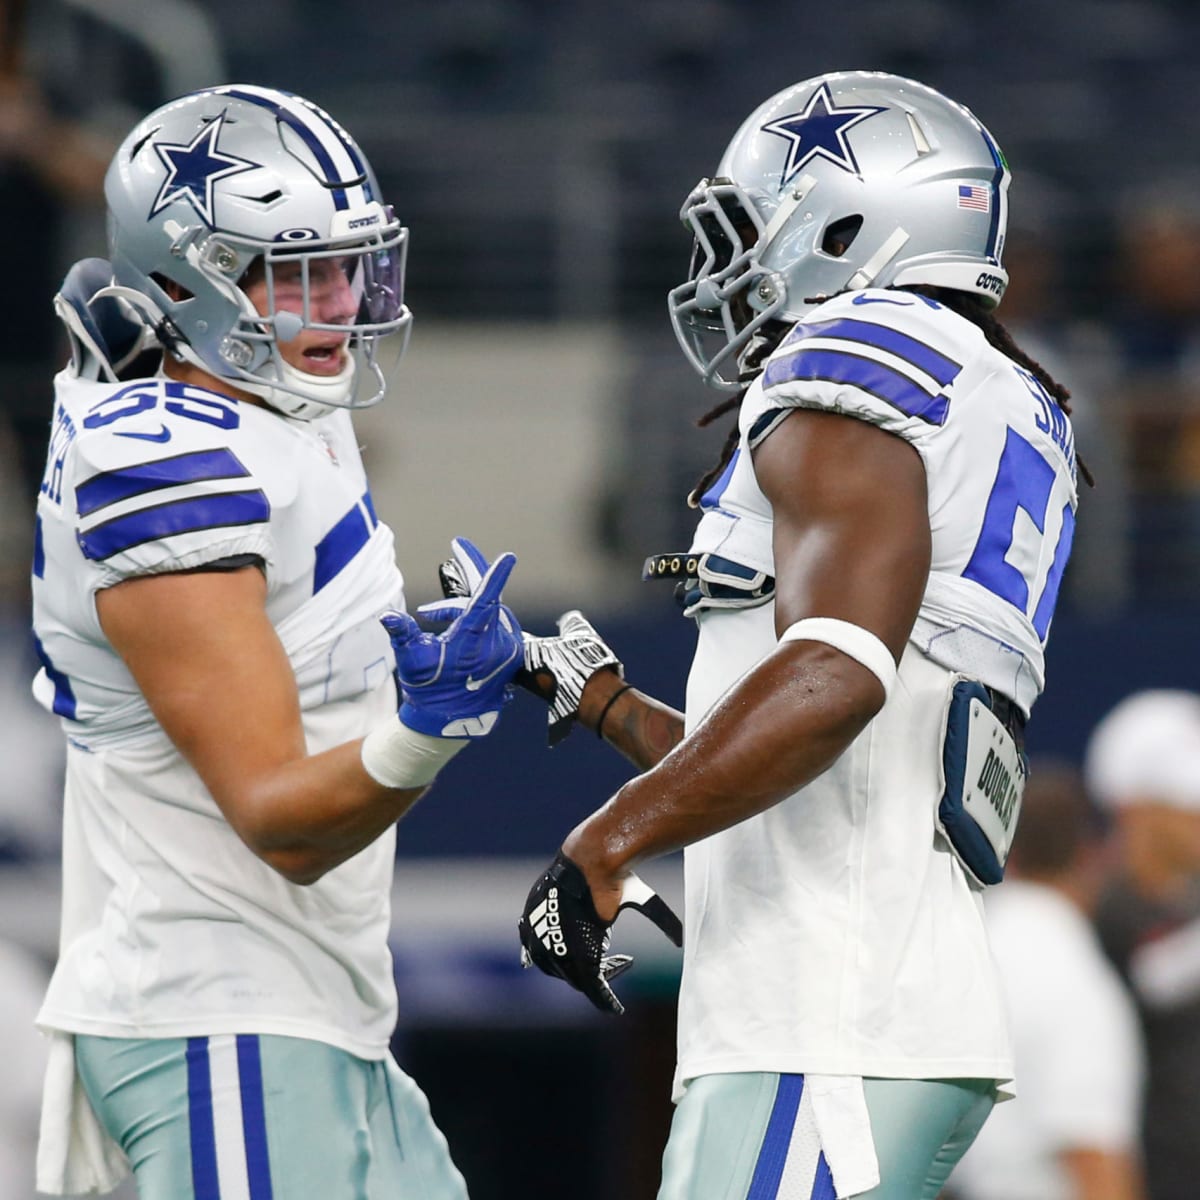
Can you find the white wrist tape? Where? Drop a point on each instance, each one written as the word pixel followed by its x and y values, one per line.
pixel 859 643
pixel 399 757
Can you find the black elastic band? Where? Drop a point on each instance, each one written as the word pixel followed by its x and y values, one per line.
pixel 604 711
pixel 1010 716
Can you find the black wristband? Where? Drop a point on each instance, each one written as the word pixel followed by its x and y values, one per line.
pixel 604 711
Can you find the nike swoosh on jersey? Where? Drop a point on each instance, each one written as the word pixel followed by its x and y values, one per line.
pixel 473 684
pixel 880 300
pixel 163 435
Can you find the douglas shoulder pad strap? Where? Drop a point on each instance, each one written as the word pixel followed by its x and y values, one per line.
pixel 710 580
pixel 678 565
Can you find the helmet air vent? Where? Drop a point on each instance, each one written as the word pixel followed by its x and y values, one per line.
pixel 840 235
pixel 919 138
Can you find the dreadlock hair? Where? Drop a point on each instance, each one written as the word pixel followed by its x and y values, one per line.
pixel 730 404
pixel 972 308
pixel 968 306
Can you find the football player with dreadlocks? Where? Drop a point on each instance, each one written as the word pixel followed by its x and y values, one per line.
pixel 218 614
pixel 873 579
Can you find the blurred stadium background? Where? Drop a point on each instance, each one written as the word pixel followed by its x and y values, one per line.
pixel 539 152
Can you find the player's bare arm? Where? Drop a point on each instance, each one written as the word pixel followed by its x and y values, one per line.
pixel 302 814
pixel 852 543
pixel 1103 1175
pixel 581 679
pixel 643 729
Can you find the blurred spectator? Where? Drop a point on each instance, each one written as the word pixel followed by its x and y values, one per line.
pixel 1041 310
pixel 1143 763
pixel 74 74
pixel 1156 316
pixel 1072 1131
pixel 32 755
pixel 23 1054
pixel 49 162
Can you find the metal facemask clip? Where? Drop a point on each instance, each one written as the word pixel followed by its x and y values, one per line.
pixel 783 214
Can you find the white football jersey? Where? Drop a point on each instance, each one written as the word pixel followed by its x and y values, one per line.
pixel 171 925
pixel 835 933
pixel 999 457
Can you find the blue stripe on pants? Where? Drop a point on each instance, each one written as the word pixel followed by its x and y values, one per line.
pixel 823 1181
pixel 768 1171
pixel 254 1117
pixel 200 1122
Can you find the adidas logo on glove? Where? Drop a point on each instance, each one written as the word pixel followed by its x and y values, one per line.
pixel 547 924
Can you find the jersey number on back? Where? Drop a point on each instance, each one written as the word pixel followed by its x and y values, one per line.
pixel 1008 558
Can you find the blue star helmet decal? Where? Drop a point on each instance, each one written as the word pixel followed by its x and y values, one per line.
pixel 193 169
pixel 820 131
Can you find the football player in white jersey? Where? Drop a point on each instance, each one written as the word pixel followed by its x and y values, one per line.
pixel 873 579
pixel 209 582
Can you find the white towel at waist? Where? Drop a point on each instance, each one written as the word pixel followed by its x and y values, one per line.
pixel 75 1155
pixel 844 1127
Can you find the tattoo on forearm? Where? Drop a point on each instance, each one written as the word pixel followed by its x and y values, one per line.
pixel 644 733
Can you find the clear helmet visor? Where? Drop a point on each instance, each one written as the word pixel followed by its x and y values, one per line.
pixel 313 317
pixel 356 288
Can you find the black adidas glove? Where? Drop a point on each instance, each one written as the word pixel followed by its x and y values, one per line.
pixel 562 934
pixel 556 668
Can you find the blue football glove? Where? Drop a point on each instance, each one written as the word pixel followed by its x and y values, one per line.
pixel 556 669
pixel 454 683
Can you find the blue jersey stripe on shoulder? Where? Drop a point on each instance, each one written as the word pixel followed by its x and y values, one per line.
pixel 921 355
pixel 342 543
pixel 198 466
pixel 174 517
pixel 832 366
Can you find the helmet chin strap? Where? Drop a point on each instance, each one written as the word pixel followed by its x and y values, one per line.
pixel 301 395
pixel 295 393
pixel 869 271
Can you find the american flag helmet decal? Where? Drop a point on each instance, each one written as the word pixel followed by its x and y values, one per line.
pixel 973 195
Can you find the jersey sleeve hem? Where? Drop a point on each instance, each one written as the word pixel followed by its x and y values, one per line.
pixel 255 544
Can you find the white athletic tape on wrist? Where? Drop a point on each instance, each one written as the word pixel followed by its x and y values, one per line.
pixel 859 643
pixel 398 757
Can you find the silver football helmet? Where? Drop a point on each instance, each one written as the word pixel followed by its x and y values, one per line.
pixel 851 180
pixel 239 179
